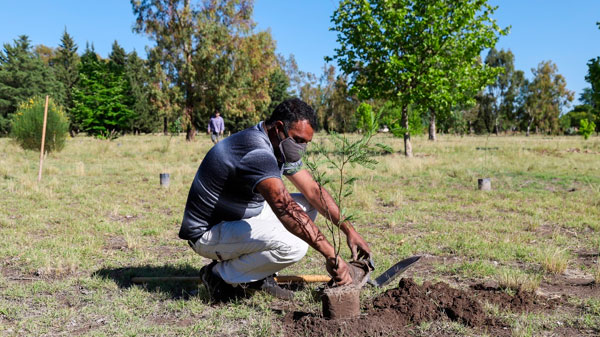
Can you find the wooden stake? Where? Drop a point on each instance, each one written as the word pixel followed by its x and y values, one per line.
pixel 43 140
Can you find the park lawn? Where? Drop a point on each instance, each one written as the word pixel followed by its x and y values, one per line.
pixel 70 243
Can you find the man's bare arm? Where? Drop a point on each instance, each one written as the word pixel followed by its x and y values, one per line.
pixel 297 222
pixel 320 198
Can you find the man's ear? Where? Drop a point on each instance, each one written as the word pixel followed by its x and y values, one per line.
pixel 279 127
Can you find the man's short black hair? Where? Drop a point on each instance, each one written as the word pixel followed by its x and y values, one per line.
pixel 292 110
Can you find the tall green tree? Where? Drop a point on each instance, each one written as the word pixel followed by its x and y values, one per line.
pixel 315 91
pixel 479 116
pixel 593 78
pixel 22 75
pixel 340 107
pixel 117 57
pixel 545 97
pixel 279 85
pixel 67 73
pixel 505 90
pixel 171 24
pixel 459 75
pixel 399 50
pixel 99 98
pixel 296 76
pixel 166 99
pixel 116 68
pixel 211 52
pixel 586 97
pixel 244 91
pixel 145 117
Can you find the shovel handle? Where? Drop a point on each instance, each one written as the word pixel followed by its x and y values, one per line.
pixel 302 278
pixel 278 279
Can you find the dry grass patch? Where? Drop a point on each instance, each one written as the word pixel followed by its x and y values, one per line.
pixel 517 280
pixel 554 260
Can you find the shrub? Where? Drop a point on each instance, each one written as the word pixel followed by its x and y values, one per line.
pixel 28 121
pixel 586 128
pixel 364 114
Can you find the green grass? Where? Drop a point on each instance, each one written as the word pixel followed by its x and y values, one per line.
pixel 71 243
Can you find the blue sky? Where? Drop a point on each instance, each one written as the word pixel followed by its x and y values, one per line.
pixel 558 30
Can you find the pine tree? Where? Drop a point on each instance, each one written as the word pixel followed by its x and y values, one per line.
pixel 145 117
pixel 65 68
pixel 22 75
pixel 117 55
pixel 100 96
pixel 117 61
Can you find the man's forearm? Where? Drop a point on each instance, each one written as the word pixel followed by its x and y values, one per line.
pixel 298 223
pixel 291 215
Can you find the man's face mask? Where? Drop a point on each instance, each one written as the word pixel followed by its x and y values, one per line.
pixel 291 151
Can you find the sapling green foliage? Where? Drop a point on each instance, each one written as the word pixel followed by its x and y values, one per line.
pixel 345 152
pixel 28 121
pixel 586 128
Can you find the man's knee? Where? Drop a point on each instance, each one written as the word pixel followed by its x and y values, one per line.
pixel 299 251
pixel 290 252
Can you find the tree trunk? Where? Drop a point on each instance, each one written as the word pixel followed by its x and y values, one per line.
pixel 496 126
pixel 529 126
pixel 190 133
pixel 404 122
pixel 191 129
pixel 432 134
pixel 165 126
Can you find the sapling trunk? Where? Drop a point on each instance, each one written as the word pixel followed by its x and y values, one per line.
pixel 342 302
pixel 345 152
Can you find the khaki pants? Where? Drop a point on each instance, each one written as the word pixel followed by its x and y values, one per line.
pixel 251 249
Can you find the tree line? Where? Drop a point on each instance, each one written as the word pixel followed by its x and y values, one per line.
pixel 417 63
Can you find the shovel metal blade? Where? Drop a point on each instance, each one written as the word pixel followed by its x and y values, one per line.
pixel 390 274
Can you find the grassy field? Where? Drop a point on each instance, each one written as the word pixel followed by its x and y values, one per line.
pixel 71 243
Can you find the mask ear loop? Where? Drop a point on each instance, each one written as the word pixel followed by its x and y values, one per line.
pixel 285 132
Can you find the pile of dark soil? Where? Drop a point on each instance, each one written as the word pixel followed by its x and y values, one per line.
pixel 410 304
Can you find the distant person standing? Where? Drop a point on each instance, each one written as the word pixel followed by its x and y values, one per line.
pixel 216 126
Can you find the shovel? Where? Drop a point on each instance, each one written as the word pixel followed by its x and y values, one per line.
pixel 393 272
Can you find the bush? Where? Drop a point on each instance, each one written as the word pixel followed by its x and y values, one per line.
pixel 28 121
pixel 365 117
pixel 586 128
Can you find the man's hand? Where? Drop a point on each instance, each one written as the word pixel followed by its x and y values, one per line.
pixel 341 274
pixel 358 246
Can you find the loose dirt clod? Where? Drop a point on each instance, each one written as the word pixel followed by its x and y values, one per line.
pixel 410 304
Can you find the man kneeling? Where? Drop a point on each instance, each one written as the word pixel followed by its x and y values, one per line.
pixel 240 215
